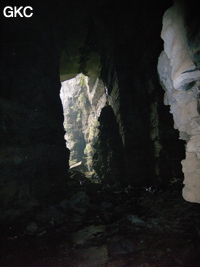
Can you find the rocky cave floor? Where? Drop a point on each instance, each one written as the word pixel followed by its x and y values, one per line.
pixel 108 226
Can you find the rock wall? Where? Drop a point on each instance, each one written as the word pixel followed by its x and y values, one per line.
pixel 33 157
pixel 181 80
pixel 108 161
pixel 129 71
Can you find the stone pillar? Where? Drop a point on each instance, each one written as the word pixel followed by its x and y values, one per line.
pixel 181 81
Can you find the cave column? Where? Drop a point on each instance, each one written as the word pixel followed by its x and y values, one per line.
pixel 180 80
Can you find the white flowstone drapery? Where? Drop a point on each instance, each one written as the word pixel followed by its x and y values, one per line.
pixel 181 82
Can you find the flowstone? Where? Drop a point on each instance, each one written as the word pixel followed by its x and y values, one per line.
pixel 181 81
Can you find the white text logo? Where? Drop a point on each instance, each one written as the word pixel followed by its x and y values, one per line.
pixel 10 12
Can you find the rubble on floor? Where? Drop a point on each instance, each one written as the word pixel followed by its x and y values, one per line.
pixel 101 225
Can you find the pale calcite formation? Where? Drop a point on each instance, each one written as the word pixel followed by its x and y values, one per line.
pixel 182 93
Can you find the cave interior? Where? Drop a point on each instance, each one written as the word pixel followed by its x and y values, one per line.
pixel 100 134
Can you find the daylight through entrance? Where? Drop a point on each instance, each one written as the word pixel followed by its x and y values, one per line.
pixel 80 121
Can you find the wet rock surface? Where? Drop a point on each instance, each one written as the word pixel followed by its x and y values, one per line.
pixel 108 226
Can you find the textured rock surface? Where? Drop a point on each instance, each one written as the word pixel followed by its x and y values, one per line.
pixel 127 53
pixel 82 104
pixel 141 227
pixel 182 94
pixel 108 157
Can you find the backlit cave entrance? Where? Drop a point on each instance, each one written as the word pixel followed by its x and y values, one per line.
pixel 80 123
pixel 92 133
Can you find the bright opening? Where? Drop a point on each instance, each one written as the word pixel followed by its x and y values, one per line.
pixel 80 122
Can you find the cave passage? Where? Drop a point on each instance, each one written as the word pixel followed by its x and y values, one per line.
pixel 80 123
pixel 132 212
pixel 92 133
pixel 75 110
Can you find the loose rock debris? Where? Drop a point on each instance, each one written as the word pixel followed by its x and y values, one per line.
pixel 106 226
